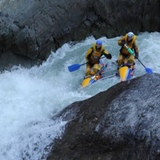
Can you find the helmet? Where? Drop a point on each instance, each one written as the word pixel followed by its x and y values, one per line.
pixel 99 42
pixel 130 35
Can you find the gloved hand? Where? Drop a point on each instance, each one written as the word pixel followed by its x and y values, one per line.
pixel 136 55
pixel 122 42
pixel 108 56
pixel 89 62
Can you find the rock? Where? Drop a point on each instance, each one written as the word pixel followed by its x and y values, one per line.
pixel 31 29
pixel 120 123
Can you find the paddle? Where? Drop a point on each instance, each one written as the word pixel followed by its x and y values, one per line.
pixel 148 70
pixel 75 67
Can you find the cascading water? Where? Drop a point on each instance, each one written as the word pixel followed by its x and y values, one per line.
pixel 31 97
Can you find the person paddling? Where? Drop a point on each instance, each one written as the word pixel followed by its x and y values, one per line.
pixel 127 41
pixel 93 56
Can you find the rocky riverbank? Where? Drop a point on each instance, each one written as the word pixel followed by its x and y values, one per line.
pixel 29 29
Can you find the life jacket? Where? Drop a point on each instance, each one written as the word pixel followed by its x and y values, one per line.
pixel 96 54
pixel 130 44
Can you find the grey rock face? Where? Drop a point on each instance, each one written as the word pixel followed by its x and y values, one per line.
pixel 121 123
pixel 31 29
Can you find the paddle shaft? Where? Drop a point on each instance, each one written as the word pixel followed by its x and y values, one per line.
pixel 141 63
pixel 148 70
pixel 83 63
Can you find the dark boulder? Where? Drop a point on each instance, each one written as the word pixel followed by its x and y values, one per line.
pixel 121 123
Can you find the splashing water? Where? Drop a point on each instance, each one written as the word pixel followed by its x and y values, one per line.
pixel 29 98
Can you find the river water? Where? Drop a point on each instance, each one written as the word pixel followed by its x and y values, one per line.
pixel 29 98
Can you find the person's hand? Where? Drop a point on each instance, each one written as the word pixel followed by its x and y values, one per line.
pixel 109 56
pixel 122 42
pixel 89 62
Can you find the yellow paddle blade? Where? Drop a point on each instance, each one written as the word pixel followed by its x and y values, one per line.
pixel 123 73
pixel 85 82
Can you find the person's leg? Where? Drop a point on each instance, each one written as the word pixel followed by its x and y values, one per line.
pixel 88 70
pixel 131 60
pixel 96 68
pixel 120 60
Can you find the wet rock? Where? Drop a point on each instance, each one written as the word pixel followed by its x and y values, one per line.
pixel 121 123
pixel 31 29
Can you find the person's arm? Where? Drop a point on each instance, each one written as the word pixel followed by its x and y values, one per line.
pixel 121 41
pixel 107 55
pixel 88 54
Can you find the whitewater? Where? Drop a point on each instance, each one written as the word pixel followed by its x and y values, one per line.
pixel 30 98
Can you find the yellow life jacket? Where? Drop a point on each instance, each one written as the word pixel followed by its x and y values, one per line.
pixel 96 54
pixel 130 44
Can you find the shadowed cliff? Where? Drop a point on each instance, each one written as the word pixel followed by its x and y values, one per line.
pixel 29 29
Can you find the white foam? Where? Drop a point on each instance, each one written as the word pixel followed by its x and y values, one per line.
pixel 29 98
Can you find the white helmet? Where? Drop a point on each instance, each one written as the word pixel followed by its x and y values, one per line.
pixel 130 35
